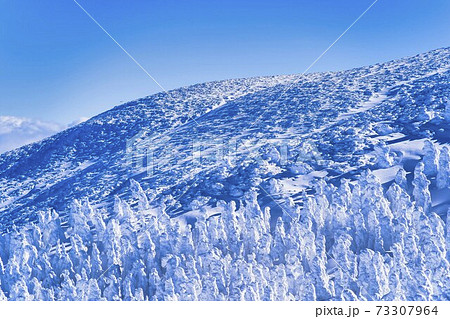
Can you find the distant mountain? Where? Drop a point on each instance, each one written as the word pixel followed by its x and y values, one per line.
pixel 18 131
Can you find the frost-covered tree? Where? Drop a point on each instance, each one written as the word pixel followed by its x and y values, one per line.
pixel 443 175
pixel 383 155
pixel 430 159
pixel 93 292
pixel 78 220
pixel 139 194
pixel 353 241
pixel 19 291
pixel 421 191
pixel 400 178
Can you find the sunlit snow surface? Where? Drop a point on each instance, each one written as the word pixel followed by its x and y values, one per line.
pixel 330 186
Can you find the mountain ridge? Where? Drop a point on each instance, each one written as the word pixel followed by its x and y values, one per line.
pixel 88 152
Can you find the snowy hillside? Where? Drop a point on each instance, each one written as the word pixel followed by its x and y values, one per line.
pixel 327 186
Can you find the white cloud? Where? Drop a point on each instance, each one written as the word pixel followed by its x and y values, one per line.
pixel 17 131
pixel 79 121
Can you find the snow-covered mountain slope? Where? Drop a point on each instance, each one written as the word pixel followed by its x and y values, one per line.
pixel 330 186
pixel 88 159
pixel 340 113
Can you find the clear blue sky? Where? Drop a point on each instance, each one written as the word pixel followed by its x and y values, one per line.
pixel 57 65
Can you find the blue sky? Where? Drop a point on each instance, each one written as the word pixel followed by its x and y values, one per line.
pixel 57 65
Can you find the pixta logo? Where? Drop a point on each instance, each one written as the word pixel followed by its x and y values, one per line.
pixel 150 154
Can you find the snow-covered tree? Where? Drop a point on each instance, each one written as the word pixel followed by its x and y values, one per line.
pixel 430 159
pixel 443 175
pixel 421 191
pixel 383 155
pixel 355 241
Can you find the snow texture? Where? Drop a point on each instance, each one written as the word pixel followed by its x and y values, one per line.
pixel 337 189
